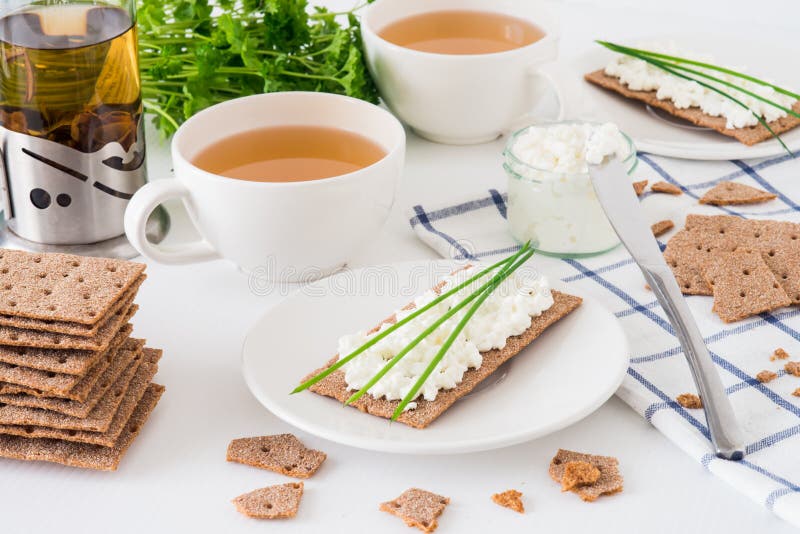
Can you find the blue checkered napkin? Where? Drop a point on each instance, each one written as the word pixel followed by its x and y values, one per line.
pixel 770 415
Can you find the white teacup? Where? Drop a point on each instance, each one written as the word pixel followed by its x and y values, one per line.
pixel 459 99
pixel 283 231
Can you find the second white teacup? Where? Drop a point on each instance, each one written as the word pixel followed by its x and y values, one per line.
pixel 459 99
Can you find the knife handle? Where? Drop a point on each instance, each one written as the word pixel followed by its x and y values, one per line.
pixel 722 424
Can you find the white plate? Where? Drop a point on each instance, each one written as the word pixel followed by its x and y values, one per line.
pixel 659 133
pixel 563 376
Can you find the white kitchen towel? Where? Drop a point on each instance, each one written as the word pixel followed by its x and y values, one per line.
pixel 475 228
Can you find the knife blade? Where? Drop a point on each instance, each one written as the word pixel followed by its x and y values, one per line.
pixel 621 205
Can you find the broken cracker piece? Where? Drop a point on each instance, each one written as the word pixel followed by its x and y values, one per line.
pixel 662 227
pixel 282 453
pixel 609 482
pixel 766 376
pixel 638 187
pixel 511 499
pixel 578 474
pixel 743 285
pixel 273 502
pixel 793 368
pixel 796 392
pixel 417 508
pixel 690 401
pixel 731 193
pixel 779 354
pixel 666 187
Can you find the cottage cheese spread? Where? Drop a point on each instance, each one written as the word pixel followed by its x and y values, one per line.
pixel 568 148
pixel 507 312
pixel 550 198
pixel 639 75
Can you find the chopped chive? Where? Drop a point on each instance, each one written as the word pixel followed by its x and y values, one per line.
pixel 492 285
pixel 525 252
pixel 379 336
pixel 624 49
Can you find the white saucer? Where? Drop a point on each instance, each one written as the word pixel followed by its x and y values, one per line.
pixel 659 133
pixel 563 376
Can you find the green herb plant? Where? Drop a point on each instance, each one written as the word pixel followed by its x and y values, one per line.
pixel 506 267
pixel 682 68
pixel 196 53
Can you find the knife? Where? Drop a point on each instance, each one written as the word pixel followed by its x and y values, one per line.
pixel 618 199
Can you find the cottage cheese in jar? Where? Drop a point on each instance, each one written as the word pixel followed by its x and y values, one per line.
pixel 551 201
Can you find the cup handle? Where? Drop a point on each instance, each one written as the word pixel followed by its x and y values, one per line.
pixel 147 199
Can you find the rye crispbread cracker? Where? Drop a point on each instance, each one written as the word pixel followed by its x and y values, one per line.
pixel 48 384
pixel 98 420
pixel 62 287
pixel 65 361
pixel 748 136
pixel 793 368
pixel 76 329
pixel 666 187
pixel 120 362
pixel 690 401
pixel 779 354
pixel 766 376
pixel 130 399
pixel 689 251
pixel 18 337
pixel 417 508
pixel 578 474
pixel 639 187
pixel 273 502
pixel 662 227
pixel 282 453
pixel 731 193
pixel 609 482
pixel 81 454
pixel 743 286
pixel 511 499
pixel 335 386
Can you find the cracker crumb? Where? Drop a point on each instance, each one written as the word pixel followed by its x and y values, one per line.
pixel 608 483
pixel 779 354
pixel 578 474
pixel 282 453
pixel 511 499
pixel 417 508
pixel 731 193
pixel 665 187
pixel 273 502
pixel 766 376
pixel 689 400
pixel 662 227
pixel 793 368
pixel 796 392
pixel 639 187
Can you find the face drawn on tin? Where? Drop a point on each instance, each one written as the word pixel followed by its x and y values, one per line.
pixel 42 198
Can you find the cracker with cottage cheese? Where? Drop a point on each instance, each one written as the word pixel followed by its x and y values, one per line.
pixel 748 135
pixel 425 411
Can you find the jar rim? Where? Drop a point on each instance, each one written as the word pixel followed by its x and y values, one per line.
pixel 630 160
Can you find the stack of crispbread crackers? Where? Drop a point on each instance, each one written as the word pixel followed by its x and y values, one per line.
pixel 75 387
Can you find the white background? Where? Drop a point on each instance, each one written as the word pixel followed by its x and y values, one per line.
pixel 175 478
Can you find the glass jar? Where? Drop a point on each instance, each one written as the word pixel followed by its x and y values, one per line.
pixel 558 212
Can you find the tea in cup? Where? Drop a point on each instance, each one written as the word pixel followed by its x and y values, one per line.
pixel 459 71
pixel 290 182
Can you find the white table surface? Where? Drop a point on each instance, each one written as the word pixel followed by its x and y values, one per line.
pixel 175 477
